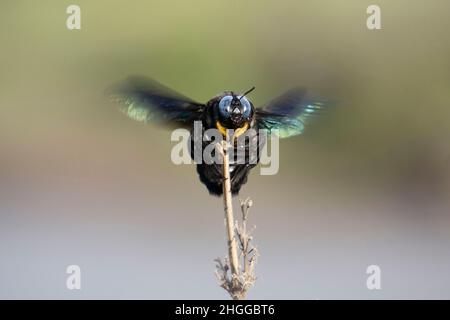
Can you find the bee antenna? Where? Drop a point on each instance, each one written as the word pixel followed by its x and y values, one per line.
pixel 253 88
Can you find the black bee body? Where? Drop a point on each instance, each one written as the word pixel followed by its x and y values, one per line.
pixel 146 100
pixel 211 175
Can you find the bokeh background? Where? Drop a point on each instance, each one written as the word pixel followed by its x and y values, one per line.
pixel 367 184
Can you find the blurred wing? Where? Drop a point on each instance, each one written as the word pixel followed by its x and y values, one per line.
pixel 290 113
pixel 146 100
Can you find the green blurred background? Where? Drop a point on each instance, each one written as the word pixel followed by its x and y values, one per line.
pixel 367 184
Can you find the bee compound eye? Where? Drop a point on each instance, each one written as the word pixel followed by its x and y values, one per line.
pixel 225 105
pixel 246 106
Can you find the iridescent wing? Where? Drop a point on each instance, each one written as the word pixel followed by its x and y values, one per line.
pixel 146 100
pixel 288 114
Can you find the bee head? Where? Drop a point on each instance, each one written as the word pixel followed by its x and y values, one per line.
pixel 235 110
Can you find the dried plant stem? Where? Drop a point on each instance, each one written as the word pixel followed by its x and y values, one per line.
pixel 238 282
pixel 228 207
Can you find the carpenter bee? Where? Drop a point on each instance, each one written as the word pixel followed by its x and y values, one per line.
pixel 146 100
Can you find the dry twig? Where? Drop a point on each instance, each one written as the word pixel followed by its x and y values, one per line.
pixel 228 272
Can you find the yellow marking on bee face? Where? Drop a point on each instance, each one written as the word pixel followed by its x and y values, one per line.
pixel 237 132
pixel 222 129
pixel 241 130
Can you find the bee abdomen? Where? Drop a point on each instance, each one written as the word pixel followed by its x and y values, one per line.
pixel 211 176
